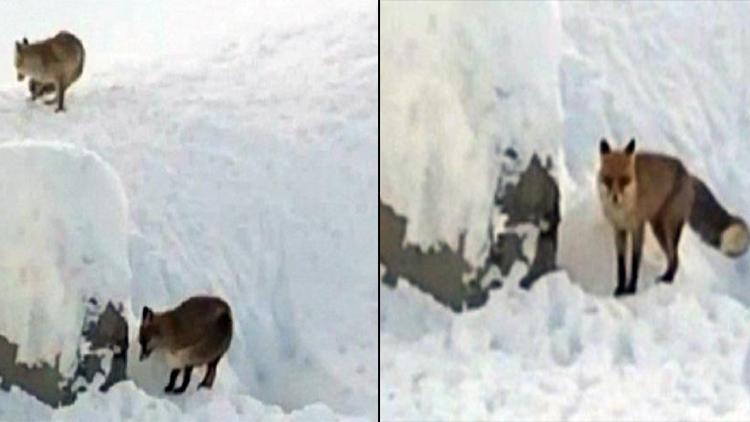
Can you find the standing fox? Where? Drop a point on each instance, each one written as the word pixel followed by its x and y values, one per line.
pixel 196 332
pixel 57 61
pixel 636 188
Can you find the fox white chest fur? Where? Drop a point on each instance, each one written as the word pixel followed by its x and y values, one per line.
pixel 621 215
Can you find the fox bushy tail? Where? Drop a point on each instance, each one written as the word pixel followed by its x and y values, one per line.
pixel 715 225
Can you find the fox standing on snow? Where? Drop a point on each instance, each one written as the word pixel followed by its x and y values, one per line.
pixel 636 188
pixel 57 61
pixel 196 332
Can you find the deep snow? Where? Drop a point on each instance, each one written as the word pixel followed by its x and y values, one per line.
pixel 245 139
pixel 555 78
pixel 52 239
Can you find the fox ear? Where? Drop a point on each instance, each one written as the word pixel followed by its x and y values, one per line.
pixel 25 41
pixel 603 147
pixel 18 46
pixel 147 315
pixel 631 146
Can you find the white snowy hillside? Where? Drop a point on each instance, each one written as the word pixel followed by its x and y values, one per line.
pixel 244 138
pixel 463 82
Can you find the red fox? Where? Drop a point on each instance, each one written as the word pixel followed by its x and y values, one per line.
pixel 196 332
pixel 56 62
pixel 636 188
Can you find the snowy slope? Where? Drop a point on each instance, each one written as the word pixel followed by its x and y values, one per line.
pixel 669 74
pixel 246 151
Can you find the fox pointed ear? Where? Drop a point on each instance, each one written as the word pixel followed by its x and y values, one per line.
pixel 147 314
pixel 630 148
pixel 18 46
pixel 25 41
pixel 603 147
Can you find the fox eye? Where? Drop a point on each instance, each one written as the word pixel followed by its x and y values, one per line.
pixel 607 181
pixel 624 181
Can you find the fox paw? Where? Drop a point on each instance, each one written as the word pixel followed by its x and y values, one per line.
pixel 665 278
pixel 624 291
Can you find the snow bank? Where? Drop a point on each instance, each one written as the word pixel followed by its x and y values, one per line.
pixel 63 240
pixel 557 353
pixel 125 401
pixel 444 118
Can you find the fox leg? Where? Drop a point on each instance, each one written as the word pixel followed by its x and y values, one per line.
pixel 60 97
pixel 185 380
pixel 172 380
pixel 672 234
pixel 637 239
pixel 668 234
pixel 33 89
pixel 620 240
pixel 54 100
pixel 208 381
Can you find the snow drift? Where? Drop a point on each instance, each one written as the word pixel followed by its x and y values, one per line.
pixel 63 262
pixel 64 240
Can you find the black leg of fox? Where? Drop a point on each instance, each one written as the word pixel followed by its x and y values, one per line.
pixel 637 238
pixel 208 380
pixel 60 97
pixel 185 380
pixel 33 89
pixel 172 380
pixel 668 235
pixel 673 240
pixel 620 240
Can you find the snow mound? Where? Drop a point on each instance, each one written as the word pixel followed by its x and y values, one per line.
pixel 441 127
pixel 126 401
pixel 557 353
pixel 63 240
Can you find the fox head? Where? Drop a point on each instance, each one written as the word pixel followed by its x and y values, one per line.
pixel 150 333
pixel 19 56
pixel 616 179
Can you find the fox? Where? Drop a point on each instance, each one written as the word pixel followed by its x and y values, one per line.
pixel 636 188
pixel 197 332
pixel 56 61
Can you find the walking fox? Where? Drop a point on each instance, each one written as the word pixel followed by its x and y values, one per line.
pixel 196 332
pixel 57 61
pixel 636 188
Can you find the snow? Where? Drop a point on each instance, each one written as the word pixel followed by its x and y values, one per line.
pixel 669 74
pixel 64 224
pixel 435 99
pixel 244 137
pixel 126 401
pixel 558 353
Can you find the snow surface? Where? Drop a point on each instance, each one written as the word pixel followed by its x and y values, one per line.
pixel 64 224
pixel 245 139
pixel 555 78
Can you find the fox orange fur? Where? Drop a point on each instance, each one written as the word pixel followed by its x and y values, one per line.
pixel 639 188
